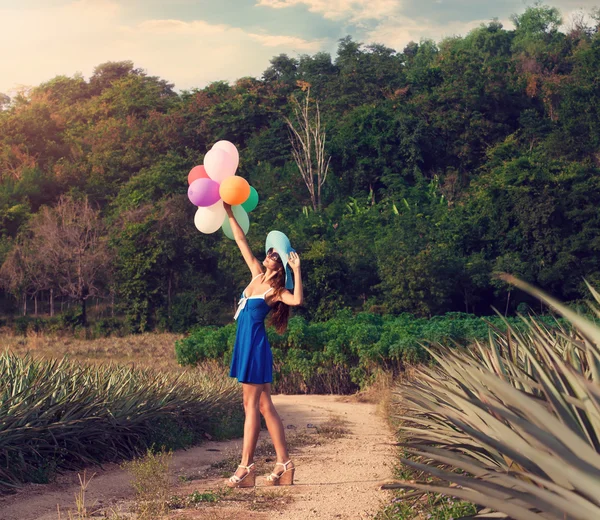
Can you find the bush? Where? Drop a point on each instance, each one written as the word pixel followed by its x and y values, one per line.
pixel 105 327
pixel 71 319
pixel 342 354
pixel 205 343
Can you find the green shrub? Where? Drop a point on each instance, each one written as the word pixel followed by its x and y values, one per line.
pixel 21 324
pixel 71 319
pixel 205 343
pixel 105 327
pixel 342 354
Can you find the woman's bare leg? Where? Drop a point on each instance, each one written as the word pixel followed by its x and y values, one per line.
pixel 275 427
pixel 251 397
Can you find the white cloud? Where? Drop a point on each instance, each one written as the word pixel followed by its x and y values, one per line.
pixel 397 31
pixel 270 40
pixel 80 35
pixel 352 10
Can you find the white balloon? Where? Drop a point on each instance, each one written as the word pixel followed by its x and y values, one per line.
pixel 210 218
pixel 230 148
pixel 241 218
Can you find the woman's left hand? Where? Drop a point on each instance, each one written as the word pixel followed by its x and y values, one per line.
pixel 294 260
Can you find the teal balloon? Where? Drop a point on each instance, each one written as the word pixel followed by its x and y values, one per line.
pixel 251 201
pixel 242 219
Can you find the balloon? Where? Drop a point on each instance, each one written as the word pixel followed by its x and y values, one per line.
pixel 209 219
pixel 203 192
pixel 197 172
pixel 230 148
pixel 251 201
pixel 234 190
pixel 219 164
pixel 242 219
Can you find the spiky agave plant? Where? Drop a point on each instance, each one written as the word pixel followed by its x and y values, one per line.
pixel 513 425
pixel 63 415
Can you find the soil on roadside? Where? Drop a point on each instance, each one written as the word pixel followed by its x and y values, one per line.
pixel 336 475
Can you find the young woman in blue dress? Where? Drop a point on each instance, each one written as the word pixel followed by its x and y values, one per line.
pixel 272 289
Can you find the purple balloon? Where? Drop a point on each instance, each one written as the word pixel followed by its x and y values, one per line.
pixel 204 192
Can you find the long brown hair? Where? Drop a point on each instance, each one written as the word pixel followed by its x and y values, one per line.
pixel 280 313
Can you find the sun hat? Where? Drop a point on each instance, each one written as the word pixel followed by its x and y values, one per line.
pixel 277 241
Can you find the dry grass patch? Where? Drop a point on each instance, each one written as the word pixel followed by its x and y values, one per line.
pixel 149 349
pixel 151 480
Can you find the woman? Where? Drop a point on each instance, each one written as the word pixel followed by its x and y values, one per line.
pixel 252 361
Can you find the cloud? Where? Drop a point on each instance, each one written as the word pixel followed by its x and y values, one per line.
pixel 269 40
pixel 397 31
pixel 351 10
pixel 80 35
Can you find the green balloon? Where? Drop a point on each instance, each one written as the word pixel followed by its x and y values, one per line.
pixel 242 219
pixel 251 201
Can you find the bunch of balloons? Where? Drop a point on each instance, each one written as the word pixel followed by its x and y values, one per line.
pixel 215 182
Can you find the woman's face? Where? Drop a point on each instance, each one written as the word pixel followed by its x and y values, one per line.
pixel 273 260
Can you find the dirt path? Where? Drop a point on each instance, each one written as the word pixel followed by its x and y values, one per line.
pixel 336 478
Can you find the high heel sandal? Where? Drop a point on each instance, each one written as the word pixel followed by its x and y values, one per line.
pixel 285 478
pixel 248 480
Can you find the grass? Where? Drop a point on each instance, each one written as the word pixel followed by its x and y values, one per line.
pixel 408 505
pixel 149 349
pixel 76 415
pixel 427 507
pixel 334 428
pixel 156 494
pixel 152 483
pixel 81 507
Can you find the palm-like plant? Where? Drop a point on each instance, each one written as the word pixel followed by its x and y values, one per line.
pixel 61 414
pixel 513 425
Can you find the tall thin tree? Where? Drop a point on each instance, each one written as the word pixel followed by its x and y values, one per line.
pixel 307 136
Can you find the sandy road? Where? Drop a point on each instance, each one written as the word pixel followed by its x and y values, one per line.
pixel 336 479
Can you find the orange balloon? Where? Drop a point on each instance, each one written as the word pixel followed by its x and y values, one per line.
pixel 197 172
pixel 234 190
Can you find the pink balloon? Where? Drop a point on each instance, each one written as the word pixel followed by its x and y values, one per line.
pixel 204 192
pixel 219 164
pixel 230 148
pixel 197 172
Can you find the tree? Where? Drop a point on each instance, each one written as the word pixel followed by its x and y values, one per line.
pixel 13 276
pixel 283 68
pixel 4 101
pixel 308 146
pixel 71 242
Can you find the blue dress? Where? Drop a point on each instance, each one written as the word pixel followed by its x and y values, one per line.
pixel 252 360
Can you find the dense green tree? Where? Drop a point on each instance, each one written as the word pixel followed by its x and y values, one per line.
pixel 450 161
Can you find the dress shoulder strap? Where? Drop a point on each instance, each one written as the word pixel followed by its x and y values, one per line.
pixel 267 291
pixel 256 277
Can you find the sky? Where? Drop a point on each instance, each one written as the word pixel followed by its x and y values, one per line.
pixel 192 43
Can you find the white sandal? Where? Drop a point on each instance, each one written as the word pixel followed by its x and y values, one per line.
pixel 285 478
pixel 248 480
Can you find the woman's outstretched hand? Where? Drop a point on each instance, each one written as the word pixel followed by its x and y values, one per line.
pixel 294 260
pixel 227 208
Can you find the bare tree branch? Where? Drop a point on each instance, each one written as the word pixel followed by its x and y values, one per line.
pixel 308 147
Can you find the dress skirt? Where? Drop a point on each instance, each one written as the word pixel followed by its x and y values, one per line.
pixel 252 360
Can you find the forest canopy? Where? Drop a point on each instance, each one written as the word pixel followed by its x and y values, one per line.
pixel 449 161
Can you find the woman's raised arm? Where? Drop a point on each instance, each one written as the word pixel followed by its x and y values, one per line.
pixel 240 239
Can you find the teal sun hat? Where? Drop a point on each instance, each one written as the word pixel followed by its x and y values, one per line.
pixel 277 241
